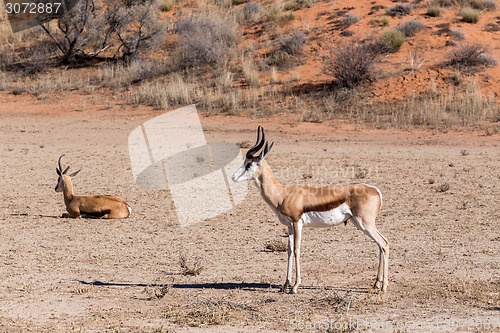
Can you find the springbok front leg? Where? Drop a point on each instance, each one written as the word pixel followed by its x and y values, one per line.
pixel 297 234
pixel 288 280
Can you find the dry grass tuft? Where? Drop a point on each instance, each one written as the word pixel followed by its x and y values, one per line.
pixel 276 245
pixel 469 15
pixel 391 40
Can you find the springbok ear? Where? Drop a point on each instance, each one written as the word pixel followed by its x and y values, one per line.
pixel 75 173
pixel 58 172
pixel 270 147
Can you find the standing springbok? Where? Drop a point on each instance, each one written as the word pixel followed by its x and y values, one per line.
pixel 300 206
pixel 96 206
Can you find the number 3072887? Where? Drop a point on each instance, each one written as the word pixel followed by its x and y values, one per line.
pixel 32 8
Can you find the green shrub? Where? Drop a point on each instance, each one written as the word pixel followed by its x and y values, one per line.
pixel 391 40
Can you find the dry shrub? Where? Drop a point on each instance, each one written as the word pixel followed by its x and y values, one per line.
pixel 352 64
pixel 469 15
pixel 276 245
pixel 349 20
pixel 399 10
pixel 470 55
pixel 190 267
pixel 490 5
pixel 410 27
pixel 205 40
pixel 293 44
pixel 251 11
pixel 391 40
pixel 457 34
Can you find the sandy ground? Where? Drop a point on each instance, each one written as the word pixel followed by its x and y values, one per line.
pixel 124 275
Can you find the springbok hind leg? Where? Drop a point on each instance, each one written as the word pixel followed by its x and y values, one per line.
pixel 383 268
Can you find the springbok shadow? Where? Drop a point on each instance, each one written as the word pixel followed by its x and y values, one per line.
pixel 249 286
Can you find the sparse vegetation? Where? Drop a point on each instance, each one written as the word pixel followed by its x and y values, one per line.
pixel 391 40
pixel 410 27
pixel 469 15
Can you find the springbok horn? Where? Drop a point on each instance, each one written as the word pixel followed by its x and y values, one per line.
pixel 258 144
pixel 59 162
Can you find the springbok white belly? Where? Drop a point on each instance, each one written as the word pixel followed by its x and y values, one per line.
pixel 324 219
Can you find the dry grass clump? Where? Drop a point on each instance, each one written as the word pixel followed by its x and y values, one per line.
pixel 469 15
pixel 122 75
pixel 276 245
pixel 166 5
pixel 391 40
pixel 162 95
pixel 352 64
pixel 190 267
pixel 200 313
pixel 250 72
pixel 297 4
pixel 433 11
pixel 410 27
pixel 400 10
pixel 465 108
pixel 470 55
pixel 205 40
pixel 476 291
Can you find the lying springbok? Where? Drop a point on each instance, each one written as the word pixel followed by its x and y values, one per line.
pixel 95 206
pixel 300 206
